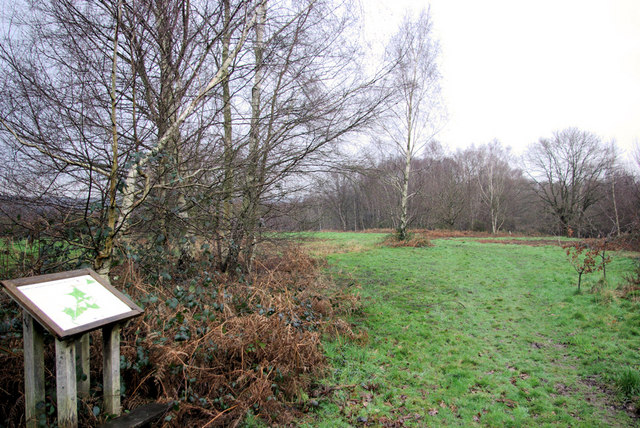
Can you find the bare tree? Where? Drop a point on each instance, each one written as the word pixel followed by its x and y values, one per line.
pixel 309 92
pixel 496 182
pixel 567 171
pixel 412 114
pixel 59 98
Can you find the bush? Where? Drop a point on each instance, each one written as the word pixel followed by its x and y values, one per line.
pixel 586 259
pixel 631 290
pixel 415 240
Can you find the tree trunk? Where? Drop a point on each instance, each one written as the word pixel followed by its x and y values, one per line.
pixel 404 197
pixel 227 185
pixel 251 191
pixel 103 261
pixel 615 205
pixel 404 202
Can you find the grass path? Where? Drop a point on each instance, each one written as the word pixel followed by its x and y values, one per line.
pixel 466 333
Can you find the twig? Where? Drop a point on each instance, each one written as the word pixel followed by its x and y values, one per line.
pixel 218 415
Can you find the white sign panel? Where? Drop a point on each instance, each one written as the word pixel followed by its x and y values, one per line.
pixel 71 303
pixel 74 302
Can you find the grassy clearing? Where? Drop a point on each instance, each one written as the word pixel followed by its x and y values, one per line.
pixel 466 333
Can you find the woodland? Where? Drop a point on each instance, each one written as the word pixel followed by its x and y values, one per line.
pixel 173 146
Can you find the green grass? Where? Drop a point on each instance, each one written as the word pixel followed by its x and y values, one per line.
pixel 14 253
pixel 465 333
pixel 18 256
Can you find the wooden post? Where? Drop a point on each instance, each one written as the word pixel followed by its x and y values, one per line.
pixel 82 365
pixel 111 368
pixel 66 384
pixel 33 370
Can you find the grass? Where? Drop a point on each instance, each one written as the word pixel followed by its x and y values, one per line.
pixel 466 333
pixel 18 257
pixel 15 253
pixel 327 243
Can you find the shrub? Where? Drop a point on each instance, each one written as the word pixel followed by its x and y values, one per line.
pixel 416 240
pixel 631 290
pixel 586 259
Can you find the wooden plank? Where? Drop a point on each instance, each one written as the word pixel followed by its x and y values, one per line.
pixel 111 368
pixel 33 370
pixel 66 384
pixel 82 365
pixel 87 328
pixel 140 416
pixel 17 282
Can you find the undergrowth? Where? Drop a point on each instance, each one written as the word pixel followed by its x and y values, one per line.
pixel 413 240
pixel 217 347
pixel 631 289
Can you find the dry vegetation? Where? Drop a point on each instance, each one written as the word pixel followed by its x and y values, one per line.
pixel 216 346
pixel 414 240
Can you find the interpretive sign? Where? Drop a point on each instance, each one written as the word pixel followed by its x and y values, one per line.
pixel 71 303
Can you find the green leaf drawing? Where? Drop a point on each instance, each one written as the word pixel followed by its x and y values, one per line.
pixel 78 294
pixel 83 303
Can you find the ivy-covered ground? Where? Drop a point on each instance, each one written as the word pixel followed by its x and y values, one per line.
pixel 220 349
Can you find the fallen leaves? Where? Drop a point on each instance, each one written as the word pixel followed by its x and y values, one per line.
pixel 507 402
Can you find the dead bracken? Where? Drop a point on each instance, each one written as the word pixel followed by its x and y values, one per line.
pixel 217 346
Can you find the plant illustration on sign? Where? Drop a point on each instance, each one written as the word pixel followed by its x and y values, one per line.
pixel 83 302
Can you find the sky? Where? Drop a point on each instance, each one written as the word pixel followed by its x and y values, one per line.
pixel 518 70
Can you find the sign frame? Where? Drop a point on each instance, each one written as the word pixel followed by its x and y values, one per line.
pixel 12 287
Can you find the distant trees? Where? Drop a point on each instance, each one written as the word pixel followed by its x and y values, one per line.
pixel 165 128
pixel 568 172
pixel 484 188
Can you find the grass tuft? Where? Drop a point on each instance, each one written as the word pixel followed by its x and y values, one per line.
pixel 413 240
pixel 628 382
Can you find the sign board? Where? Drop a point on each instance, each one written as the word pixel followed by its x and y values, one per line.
pixel 71 303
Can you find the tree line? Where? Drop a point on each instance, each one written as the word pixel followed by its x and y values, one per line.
pixel 572 183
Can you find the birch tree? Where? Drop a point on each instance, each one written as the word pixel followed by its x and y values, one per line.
pixel 308 93
pixel 496 182
pixel 59 99
pixel 413 112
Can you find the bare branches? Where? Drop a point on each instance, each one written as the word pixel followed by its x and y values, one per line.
pixel 567 171
pixel 49 152
pixel 415 79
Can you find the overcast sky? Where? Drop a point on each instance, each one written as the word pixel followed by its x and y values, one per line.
pixel 517 70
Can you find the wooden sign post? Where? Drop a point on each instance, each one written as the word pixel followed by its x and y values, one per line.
pixel 70 305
